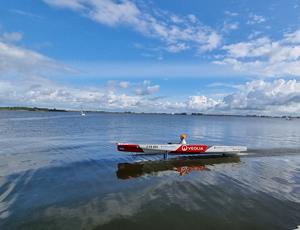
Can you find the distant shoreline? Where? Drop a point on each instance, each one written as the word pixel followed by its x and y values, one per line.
pixel 37 109
pixel 32 109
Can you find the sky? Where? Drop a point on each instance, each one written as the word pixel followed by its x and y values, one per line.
pixel 221 57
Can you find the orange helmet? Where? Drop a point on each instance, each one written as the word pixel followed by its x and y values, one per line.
pixel 183 136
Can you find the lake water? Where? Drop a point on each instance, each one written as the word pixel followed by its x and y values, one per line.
pixel 62 171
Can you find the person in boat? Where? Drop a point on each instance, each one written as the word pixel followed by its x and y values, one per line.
pixel 183 139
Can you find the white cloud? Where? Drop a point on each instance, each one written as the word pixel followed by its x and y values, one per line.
pixel 124 84
pixel 276 97
pixel 265 57
pixel 293 37
pixel 44 93
pixel 11 37
pixel 201 103
pixel 213 41
pixel 255 19
pixel 121 101
pixel 229 26
pixel 231 14
pixel 176 19
pixel 24 62
pixel 254 48
pixel 146 82
pixel 31 85
pixel 25 13
pixel 254 34
pixel 111 13
pixel 147 90
pixel 192 18
pixel 175 48
pixel 71 4
pixel 176 32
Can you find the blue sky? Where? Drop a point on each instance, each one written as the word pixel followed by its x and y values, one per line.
pixel 164 56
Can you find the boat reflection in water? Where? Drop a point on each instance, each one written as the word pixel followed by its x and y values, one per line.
pixel 181 165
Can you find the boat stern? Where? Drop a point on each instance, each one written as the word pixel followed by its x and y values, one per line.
pixel 125 147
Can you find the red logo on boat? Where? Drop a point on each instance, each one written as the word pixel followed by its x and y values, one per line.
pixel 184 147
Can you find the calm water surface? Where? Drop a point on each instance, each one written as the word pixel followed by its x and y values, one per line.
pixel 62 171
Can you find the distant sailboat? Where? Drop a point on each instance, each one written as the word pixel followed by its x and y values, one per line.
pixel 82 113
pixel 288 118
